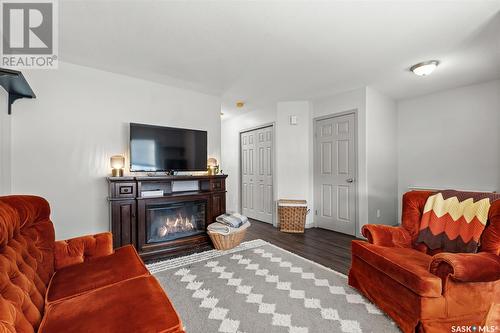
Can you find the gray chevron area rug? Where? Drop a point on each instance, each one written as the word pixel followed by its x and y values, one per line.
pixel 258 287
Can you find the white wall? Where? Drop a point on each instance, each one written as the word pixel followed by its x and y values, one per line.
pixel 451 139
pixel 230 149
pixel 62 140
pixel 381 158
pixel 294 153
pixel 5 145
pixel 294 176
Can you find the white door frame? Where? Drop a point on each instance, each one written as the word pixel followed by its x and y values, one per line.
pixel 273 164
pixel 356 172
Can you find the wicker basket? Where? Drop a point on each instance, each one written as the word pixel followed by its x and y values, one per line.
pixel 226 242
pixel 292 215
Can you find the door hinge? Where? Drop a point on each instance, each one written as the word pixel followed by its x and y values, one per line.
pixel 316 212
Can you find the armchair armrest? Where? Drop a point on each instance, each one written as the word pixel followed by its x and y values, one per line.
pixel 466 267
pixel 77 250
pixel 385 235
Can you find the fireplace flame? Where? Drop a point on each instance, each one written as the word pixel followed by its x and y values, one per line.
pixel 179 224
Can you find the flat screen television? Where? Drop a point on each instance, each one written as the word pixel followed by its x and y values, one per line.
pixel 157 148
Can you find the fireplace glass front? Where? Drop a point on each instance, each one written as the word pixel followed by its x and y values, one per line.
pixel 166 222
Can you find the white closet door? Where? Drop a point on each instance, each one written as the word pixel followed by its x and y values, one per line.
pixel 257 174
pixel 248 179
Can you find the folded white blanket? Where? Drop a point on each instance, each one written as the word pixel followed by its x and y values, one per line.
pixel 219 228
pixel 234 220
pixel 224 229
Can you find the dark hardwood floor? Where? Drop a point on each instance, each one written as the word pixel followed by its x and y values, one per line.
pixel 329 248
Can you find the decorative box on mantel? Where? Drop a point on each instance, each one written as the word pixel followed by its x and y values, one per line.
pixel 171 224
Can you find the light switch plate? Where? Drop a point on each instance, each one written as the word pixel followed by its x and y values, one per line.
pixel 293 120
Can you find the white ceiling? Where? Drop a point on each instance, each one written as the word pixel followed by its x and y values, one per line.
pixel 266 51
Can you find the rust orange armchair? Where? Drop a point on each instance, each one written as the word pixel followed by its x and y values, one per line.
pixel 77 285
pixel 423 290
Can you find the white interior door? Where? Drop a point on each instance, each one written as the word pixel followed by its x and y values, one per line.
pixel 334 173
pixel 257 174
pixel 248 178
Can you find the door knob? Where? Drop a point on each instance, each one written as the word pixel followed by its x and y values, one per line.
pixel 350 180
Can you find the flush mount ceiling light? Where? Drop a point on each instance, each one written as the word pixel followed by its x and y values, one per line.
pixel 240 104
pixel 424 68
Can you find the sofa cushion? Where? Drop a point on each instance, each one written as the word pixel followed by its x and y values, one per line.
pixel 135 305
pixel 80 249
pixel 99 272
pixel 407 266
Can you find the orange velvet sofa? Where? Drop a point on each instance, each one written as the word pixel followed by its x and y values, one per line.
pixel 428 291
pixel 77 285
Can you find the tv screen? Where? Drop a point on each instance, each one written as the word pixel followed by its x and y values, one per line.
pixel 156 148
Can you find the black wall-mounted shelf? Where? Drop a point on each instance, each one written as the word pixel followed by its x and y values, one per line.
pixel 16 86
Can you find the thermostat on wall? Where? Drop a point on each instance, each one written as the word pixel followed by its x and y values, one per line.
pixel 293 120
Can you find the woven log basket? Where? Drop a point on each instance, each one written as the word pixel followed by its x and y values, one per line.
pixel 227 242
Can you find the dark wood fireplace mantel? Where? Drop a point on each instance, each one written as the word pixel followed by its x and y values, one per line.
pixel 128 210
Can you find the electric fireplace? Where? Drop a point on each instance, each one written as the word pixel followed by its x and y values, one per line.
pixel 175 225
pixel 171 221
